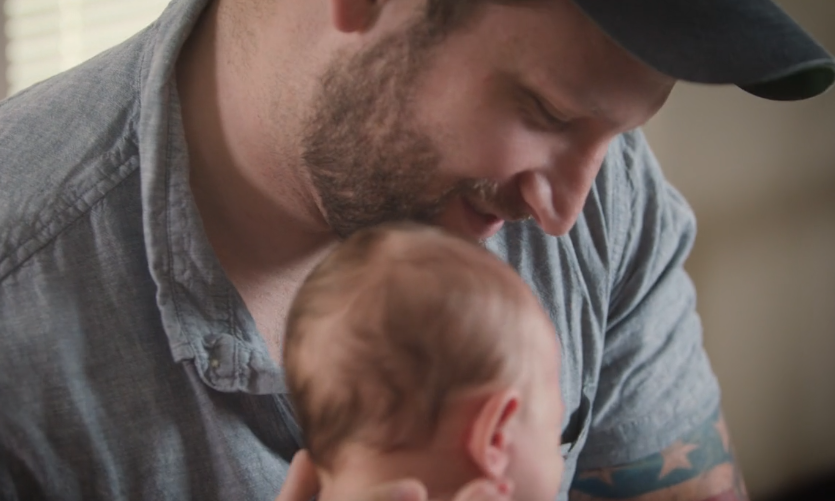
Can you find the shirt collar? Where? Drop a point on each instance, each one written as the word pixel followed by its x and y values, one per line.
pixel 202 314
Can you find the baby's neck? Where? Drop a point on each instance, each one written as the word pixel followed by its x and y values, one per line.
pixel 358 472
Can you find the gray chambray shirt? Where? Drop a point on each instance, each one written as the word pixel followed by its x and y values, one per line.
pixel 130 368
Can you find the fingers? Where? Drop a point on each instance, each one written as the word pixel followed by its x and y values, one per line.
pixel 301 483
pixel 401 490
pixel 484 490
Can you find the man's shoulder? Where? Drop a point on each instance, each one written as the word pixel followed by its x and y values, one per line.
pixel 628 170
pixel 65 143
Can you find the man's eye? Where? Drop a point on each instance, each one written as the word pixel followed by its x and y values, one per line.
pixel 552 119
pixel 548 118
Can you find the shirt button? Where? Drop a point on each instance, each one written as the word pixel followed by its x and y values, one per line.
pixel 214 363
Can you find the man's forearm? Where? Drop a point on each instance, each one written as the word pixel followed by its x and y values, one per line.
pixel 698 467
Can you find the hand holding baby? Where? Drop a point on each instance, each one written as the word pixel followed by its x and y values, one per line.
pixel 302 484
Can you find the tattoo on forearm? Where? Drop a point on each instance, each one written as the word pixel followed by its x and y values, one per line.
pixel 700 464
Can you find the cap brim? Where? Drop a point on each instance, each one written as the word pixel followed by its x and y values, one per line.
pixel 751 43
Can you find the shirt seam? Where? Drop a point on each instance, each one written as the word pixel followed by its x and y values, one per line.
pixel 622 232
pixel 172 283
pixel 49 235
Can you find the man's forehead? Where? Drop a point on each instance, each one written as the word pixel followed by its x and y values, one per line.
pixel 555 47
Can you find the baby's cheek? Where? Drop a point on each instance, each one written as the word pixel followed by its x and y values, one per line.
pixel 539 472
pixel 559 471
pixel 551 470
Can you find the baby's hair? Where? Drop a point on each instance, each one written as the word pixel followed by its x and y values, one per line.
pixel 388 327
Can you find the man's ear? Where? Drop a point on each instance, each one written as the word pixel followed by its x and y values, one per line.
pixel 352 16
pixel 490 434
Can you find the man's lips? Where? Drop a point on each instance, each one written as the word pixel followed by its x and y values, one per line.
pixel 482 225
pixel 493 211
pixel 488 216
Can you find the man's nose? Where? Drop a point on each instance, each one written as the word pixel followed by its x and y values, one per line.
pixel 556 193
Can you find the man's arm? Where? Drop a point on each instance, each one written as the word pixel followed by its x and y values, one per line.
pixel 698 467
pixel 656 431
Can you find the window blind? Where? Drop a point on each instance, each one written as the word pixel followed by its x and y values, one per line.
pixel 45 37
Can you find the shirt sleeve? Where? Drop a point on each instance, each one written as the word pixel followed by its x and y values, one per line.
pixel 656 383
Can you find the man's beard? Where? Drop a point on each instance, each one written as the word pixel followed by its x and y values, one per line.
pixel 367 158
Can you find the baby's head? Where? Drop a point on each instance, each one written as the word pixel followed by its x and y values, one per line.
pixel 412 353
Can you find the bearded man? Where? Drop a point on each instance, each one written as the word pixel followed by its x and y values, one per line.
pixel 162 202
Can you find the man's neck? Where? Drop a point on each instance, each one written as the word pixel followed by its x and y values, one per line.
pixel 258 208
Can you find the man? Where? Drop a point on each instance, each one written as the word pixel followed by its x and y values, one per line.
pixel 162 202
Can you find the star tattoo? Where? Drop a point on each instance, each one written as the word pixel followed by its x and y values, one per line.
pixel 675 457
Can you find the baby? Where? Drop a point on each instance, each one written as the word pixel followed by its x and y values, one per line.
pixel 412 353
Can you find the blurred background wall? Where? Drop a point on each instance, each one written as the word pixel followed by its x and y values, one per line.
pixel 761 178
pixel 45 37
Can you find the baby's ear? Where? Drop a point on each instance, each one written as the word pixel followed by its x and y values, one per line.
pixel 491 433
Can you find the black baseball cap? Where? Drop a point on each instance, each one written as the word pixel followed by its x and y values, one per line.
pixel 751 43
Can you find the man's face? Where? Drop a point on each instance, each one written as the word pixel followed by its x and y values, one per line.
pixel 507 117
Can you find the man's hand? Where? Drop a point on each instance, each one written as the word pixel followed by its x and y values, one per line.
pixel 302 484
